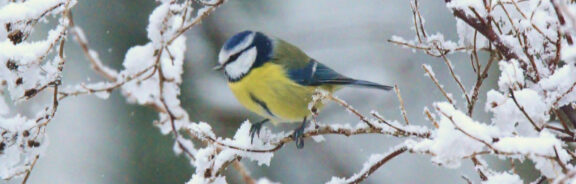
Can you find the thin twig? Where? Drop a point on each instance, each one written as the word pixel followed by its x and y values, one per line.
pixel 563 123
pixel 431 118
pixel 30 170
pixel 478 165
pixel 402 108
pixel 433 77
pixel 351 109
pixel 538 128
pixel 479 81
pixel 379 164
pixel 455 77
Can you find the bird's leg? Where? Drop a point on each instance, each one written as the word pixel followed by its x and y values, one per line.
pixel 255 129
pixel 298 135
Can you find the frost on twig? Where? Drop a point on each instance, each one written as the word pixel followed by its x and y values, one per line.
pixel 532 118
pixel 29 68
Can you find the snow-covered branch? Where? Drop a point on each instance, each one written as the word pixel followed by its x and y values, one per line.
pixel 532 107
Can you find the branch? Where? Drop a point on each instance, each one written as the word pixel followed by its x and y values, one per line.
pixel 538 128
pixel 373 164
pixel 483 27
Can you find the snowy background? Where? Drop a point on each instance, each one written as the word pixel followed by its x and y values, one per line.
pixel 110 141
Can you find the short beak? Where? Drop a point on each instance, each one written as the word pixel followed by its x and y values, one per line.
pixel 218 68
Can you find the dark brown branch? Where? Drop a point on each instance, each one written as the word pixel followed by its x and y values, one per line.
pixel 483 27
pixel 562 165
pixel 563 123
pixel 478 166
pixel 570 113
pixel 562 21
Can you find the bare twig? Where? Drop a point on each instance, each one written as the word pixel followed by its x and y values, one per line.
pixel 95 62
pixel 478 165
pixel 25 180
pixel 373 168
pixel 351 109
pixel 455 77
pixel 479 80
pixel 402 108
pixel 538 128
pixel 563 123
pixel 431 118
pixel 433 77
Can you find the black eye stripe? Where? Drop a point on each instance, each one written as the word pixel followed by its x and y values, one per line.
pixel 235 56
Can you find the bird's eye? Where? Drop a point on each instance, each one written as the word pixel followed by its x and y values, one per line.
pixel 233 57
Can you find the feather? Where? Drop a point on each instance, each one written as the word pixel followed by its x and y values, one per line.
pixel 316 73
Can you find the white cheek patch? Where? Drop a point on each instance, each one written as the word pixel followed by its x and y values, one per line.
pixel 225 54
pixel 242 64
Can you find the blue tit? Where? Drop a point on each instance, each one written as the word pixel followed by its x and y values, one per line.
pixel 277 80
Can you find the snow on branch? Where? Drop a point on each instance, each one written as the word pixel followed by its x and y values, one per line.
pixel 29 68
pixel 533 104
pixel 532 107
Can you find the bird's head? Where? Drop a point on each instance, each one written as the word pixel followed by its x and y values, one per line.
pixel 243 52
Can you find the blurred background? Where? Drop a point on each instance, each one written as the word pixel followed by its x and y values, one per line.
pixel 110 141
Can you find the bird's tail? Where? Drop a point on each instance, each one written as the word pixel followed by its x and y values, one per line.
pixel 358 83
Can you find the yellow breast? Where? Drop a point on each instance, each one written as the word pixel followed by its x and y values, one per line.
pixel 268 91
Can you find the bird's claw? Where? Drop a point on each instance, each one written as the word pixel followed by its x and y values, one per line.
pixel 298 137
pixel 255 130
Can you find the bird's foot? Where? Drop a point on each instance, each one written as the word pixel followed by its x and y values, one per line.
pixel 255 129
pixel 298 135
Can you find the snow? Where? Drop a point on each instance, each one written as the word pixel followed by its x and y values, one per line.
pixel 536 147
pixel 156 27
pixel 430 72
pixel 542 145
pixel 199 179
pixel 337 180
pixel 18 153
pixel 558 84
pixel 443 142
pixel 569 54
pixel 503 177
pixel 265 181
pixel 28 52
pixel 242 139
pixel 318 138
pixel 152 75
pixel 28 68
pixel 509 118
pixel 31 9
pixel 512 76
pixel 466 35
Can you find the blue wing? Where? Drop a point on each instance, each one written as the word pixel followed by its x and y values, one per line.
pixel 315 74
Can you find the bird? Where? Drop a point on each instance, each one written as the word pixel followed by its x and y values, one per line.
pixel 277 80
